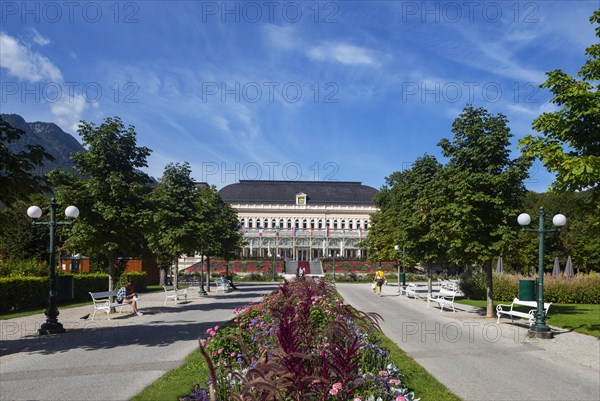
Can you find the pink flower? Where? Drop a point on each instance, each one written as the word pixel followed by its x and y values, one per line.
pixel 400 398
pixel 232 354
pixel 383 373
pixel 333 391
pixel 337 386
pixel 220 351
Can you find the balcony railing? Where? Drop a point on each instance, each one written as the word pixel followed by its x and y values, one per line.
pixel 304 233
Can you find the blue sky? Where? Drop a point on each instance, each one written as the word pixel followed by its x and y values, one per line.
pixel 331 90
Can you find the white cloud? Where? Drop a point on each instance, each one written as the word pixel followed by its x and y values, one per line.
pixel 38 38
pixel 284 37
pixel 343 53
pixel 23 63
pixel 69 111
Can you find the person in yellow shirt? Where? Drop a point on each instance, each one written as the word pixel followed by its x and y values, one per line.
pixel 379 280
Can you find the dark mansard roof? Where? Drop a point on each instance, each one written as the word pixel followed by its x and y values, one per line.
pixel 284 192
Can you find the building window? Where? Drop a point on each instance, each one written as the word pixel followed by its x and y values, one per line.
pixel 301 199
pixel 250 223
pixel 304 224
pixel 289 223
pixel 312 223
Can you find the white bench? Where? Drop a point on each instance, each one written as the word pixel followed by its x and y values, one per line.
pixel 444 297
pixel 409 289
pixel 223 285
pixel 172 292
pixel 102 302
pixel 502 309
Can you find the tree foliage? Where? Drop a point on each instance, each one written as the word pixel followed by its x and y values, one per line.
pixel 172 217
pixel 16 180
pixel 485 185
pixel 569 144
pixel 109 194
pixel 403 219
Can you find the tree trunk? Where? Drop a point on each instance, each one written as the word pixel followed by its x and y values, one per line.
pixel 207 274
pixel 489 290
pixel 111 276
pixel 163 276
pixel 429 279
pixel 176 273
pixel 111 271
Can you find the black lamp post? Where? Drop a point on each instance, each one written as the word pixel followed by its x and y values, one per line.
pixel 52 324
pixel 201 290
pixel 333 255
pixel 272 266
pixel 540 329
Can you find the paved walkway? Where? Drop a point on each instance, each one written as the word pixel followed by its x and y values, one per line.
pixel 109 360
pixel 480 360
pixel 114 360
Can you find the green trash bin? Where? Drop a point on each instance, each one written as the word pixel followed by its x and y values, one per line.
pixel 527 290
pixel 402 278
pixel 65 288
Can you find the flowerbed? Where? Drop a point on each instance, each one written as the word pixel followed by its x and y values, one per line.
pixel 300 343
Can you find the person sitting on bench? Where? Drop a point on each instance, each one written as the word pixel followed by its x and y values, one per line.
pixel 126 295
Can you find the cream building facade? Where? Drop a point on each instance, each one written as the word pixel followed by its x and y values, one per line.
pixel 302 220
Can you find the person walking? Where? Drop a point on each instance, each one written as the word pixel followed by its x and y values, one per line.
pixel 379 280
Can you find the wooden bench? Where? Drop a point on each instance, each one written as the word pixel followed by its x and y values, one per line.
pixel 172 292
pixel 409 289
pixel 502 309
pixel 102 302
pixel 444 297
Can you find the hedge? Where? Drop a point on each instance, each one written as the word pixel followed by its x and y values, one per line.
pixel 581 289
pixel 25 292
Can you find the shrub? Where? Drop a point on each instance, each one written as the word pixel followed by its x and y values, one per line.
pixel 89 282
pixel 581 289
pixel 301 342
pixel 138 279
pixel 23 267
pixel 23 293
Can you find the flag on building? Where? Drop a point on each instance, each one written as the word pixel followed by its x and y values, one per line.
pixel 359 232
pixel 260 231
pixel 327 231
pixel 311 232
pixel 293 231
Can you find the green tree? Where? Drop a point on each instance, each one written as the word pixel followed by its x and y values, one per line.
pixel 16 180
pixel 569 144
pixel 218 226
pixel 173 216
pixel 403 217
pixel 110 193
pixel 18 238
pixel 485 191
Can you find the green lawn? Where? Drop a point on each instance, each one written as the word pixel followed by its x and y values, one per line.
pixel 177 382
pixel 582 318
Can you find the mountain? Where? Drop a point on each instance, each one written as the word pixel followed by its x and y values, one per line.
pixel 55 141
